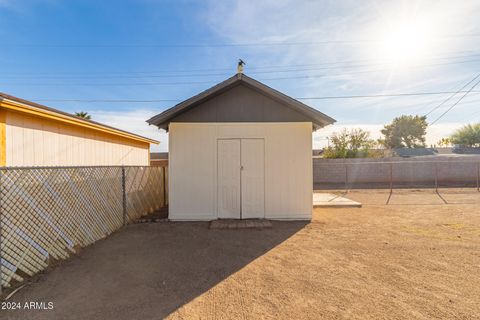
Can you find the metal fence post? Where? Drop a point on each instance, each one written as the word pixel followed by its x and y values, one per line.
pixel 124 197
pixel 436 177
pixel 478 176
pixel 346 178
pixel 391 177
pixel 164 187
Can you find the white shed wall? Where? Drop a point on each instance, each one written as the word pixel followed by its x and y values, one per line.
pixel 193 168
pixel 32 141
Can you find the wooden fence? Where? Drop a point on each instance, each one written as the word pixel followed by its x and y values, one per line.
pixel 47 214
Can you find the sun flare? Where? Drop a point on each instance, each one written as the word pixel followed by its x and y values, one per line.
pixel 405 43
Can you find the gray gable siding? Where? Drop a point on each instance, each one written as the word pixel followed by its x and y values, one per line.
pixel 241 99
pixel 241 104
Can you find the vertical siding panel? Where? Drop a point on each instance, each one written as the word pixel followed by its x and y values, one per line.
pixel 90 148
pixel 28 142
pixel 77 143
pixel 81 146
pixel 71 150
pixel 115 160
pixel 17 140
pixel 128 154
pixel 94 153
pixel 76 147
pixel 107 151
pixel 62 146
pixel 3 138
pixel 8 139
pixel 110 150
pixel 85 144
pixel 124 156
pixel 38 146
pixel 99 150
pixel 49 151
pixel 32 141
pixel 95 144
pixel 68 144
pixel 56 142
pixel 103 151
pixel 119 153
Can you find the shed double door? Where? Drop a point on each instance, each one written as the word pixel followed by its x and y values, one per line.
pixel 240 178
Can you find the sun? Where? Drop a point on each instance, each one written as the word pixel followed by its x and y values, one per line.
pixel 405 43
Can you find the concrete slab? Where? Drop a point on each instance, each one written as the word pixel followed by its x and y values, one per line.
pixel 330 200
pixel 240 224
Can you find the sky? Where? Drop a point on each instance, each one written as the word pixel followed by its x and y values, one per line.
pixel 125 61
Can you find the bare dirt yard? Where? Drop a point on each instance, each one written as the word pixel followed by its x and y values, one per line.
pixel 416 258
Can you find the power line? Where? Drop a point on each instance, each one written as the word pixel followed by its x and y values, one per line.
pixel 212 81
pixel 454 94
pixel 106 100
pixel 63 84
pixel 260 67
pixel 298 98
pixel 379 95
pixel 314 76
pixel 457 102
pixel 253 72
pixel 211 45
pixel 186 45
pixel 100 84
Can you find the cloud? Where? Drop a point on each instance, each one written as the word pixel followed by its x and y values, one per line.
pixel 133 121
pixel 249 21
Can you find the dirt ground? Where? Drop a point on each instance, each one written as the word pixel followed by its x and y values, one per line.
pixel 416 258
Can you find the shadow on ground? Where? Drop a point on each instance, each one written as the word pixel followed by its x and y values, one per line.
pixel 147 270
pixel 411 197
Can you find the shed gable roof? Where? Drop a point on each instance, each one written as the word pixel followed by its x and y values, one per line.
pixel 305 112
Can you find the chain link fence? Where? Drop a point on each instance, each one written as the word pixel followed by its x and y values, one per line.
pixel 47 214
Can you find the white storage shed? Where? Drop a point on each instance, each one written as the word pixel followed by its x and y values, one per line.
pixel 240 150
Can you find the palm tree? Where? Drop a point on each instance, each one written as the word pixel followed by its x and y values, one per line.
pixel 83 114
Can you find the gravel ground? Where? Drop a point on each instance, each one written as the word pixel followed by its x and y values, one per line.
pixel 417 258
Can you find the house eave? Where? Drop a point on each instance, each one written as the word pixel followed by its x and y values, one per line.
pixel 33 109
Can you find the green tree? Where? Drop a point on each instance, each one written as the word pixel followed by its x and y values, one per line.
pixel 444 142
pixel 83 114
pixel 467 136
pixel 355 143
pixel 405 131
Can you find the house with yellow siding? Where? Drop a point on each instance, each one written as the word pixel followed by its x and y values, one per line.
pixel 32 134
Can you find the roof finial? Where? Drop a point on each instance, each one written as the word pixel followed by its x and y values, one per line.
pixel 240 65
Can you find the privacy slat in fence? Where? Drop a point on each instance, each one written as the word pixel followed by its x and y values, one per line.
pixel 397 173
pixel 48 213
